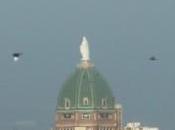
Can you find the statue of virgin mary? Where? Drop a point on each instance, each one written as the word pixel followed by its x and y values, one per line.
pixel 84 49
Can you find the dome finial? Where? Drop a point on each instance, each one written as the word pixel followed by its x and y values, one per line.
pixel 84 49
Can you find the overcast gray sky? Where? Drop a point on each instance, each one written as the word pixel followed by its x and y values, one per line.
pixel 123 34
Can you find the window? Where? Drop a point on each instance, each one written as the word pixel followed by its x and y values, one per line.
pixel 85 116
pixel 85 101
pixel 66 103
pixel 104 115
pixel 104 102
pixel 67 115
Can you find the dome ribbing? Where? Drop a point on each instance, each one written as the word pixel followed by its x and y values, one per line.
pixel 85 89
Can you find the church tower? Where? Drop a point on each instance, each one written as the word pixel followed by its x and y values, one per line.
pixel 85 101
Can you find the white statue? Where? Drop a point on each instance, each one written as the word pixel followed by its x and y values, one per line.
pixel 84 49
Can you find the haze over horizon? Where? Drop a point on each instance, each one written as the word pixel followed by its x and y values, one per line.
pixel 122 37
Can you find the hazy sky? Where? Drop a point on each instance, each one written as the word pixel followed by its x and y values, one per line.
pixel 123 34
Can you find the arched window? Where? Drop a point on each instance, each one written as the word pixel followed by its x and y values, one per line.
pixel 66 103
pixel 85 101
pixel 104 102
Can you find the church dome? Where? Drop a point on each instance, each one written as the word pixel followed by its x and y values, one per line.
pixel 85 89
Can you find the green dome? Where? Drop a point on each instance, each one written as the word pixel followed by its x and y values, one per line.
pixel 85 89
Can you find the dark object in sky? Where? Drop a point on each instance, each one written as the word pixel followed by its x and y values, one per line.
pixel 16 56
pixel 153 58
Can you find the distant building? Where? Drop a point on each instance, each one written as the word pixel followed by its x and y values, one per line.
pixel 137 126
pixel 85 101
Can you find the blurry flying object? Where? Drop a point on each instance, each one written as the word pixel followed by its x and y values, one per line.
pixel 153 58
pixel 16 56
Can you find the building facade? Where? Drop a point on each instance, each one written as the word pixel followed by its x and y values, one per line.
pixel 138 126
pixel 85 101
